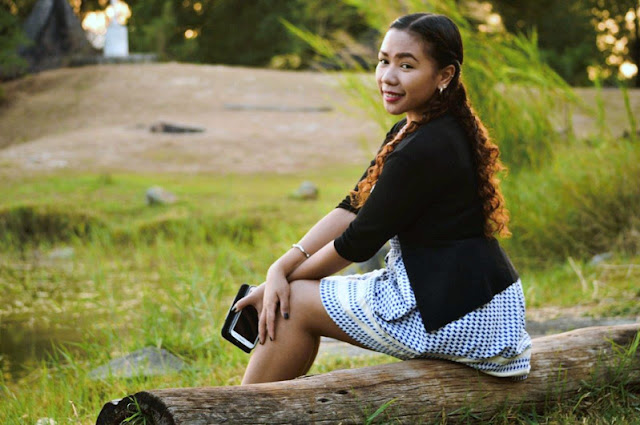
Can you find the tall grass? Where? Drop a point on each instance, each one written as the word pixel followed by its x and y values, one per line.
pixel 505 76
pixel 583 202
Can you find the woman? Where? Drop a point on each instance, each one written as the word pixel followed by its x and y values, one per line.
pixel 448 290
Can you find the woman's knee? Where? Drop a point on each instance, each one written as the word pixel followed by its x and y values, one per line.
pixel 304 302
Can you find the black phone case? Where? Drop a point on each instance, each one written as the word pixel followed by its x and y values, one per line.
pixel 242 292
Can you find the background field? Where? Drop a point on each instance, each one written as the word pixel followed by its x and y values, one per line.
pixel 87 265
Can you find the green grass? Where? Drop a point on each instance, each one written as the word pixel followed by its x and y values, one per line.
pixel 164 276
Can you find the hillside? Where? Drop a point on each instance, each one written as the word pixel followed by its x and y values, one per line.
pixel 99 118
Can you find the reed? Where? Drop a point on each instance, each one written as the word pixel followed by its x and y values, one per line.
pixel 504 73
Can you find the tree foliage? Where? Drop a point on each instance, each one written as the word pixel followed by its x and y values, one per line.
pixel 11 37
pixel 250 32
pixel 572 33
pixel 235 32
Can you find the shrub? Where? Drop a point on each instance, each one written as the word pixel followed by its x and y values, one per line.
pixel 25 224
pixel 585 201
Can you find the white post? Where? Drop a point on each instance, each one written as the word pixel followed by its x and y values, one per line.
pixel 116 42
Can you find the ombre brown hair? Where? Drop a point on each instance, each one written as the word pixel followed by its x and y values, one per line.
pixel 443 44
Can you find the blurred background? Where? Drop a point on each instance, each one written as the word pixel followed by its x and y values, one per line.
pixel 155 154
pixel 579 39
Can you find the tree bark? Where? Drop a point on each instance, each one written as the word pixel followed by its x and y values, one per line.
pixel 422 390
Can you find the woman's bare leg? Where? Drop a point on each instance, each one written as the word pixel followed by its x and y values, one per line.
pixel 312 357
pixel 295 347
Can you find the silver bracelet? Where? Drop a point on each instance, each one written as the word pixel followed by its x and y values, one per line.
pixel 297 245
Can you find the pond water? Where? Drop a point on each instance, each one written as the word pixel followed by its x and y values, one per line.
pixel 25 343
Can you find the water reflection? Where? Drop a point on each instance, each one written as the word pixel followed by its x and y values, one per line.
pixel 23 344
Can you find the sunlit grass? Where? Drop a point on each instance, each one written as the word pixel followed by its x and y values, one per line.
pixel 164 276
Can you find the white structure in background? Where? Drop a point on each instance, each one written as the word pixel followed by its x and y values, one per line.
pixel 95 23
pixel 116 42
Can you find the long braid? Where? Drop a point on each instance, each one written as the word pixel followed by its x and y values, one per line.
pixel 488 164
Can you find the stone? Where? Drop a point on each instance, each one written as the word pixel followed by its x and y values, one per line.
pixel 64 253
pixel 163 127
pixel 148 361
pixel 306 191
pixel 55 34
pixel 156 195
pixel 599 258
pixel 627 134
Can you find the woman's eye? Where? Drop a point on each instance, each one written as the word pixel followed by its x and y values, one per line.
pixel 382 61
pixel 406 66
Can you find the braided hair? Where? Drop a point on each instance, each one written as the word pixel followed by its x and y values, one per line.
pixel 443 43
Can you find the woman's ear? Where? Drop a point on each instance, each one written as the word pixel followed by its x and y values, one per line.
pixel 446 75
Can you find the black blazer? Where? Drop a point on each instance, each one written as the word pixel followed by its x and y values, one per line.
pixel 427 194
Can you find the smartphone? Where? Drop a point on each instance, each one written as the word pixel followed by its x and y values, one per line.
pixel 241 328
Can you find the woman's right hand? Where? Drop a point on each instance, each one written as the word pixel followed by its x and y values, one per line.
pixel 276 297
pixel 255 298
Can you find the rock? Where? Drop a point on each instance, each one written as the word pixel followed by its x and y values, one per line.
pixel 45 421
pixel 627 134
pixel 149 361
pixel 158 196
pixel 307 191
pixel 61 254
pixel 599 258
pixel 164 127
pixel 56 35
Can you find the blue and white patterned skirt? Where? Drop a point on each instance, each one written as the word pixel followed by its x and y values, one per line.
pixel 378 309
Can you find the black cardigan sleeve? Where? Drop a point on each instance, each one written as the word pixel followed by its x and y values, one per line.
pixel 411 181
pixel 346 202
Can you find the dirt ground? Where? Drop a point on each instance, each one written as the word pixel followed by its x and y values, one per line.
pixel 99 118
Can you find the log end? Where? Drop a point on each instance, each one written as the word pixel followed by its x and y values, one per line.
pixel 140 405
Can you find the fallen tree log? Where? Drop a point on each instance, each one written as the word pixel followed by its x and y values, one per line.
pixel 422 390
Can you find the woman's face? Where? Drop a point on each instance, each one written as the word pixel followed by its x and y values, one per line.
pixel 406 76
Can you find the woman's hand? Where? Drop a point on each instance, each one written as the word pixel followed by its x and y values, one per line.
pixel 276 294
pixel 254 298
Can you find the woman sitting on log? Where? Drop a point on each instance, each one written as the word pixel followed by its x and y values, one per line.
pixel 448 290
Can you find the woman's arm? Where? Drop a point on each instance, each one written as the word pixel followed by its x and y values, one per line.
pixel 323 263
pixel 276 290
pixel 321 234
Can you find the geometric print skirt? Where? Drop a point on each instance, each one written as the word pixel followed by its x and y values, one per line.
pixel 378 309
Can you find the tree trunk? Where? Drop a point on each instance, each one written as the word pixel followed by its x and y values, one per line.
pixel 422 390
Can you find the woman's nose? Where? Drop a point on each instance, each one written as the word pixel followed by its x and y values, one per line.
pixel 390 76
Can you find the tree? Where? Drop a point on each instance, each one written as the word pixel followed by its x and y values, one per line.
pixel 11 37
pixel 566 35
pixel 579 38
pixel 618 38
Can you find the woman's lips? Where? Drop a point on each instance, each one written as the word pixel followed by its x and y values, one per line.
pixel 391 96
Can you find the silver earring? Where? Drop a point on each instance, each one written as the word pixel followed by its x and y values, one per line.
pixel 442 89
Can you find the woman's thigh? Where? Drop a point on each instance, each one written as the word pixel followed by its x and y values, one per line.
pixel 306 305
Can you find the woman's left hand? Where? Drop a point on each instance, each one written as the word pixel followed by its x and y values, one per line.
pixel 276 294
